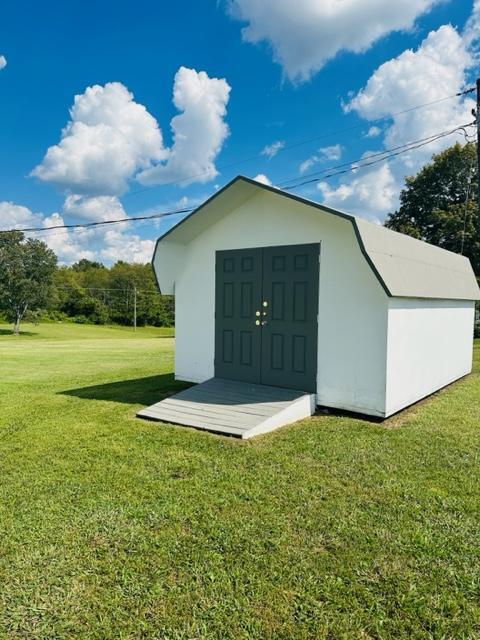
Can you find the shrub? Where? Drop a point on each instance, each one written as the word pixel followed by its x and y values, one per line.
pixel 33 316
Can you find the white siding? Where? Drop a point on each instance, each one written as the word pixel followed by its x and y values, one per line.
pixel 430 345
pixel 353 307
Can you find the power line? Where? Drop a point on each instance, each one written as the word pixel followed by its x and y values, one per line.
pixel 124 290
pixel 300 143
pixel 385 156
pixel 352 166
pixel 427 140
pixel 130 293
pixel 87 225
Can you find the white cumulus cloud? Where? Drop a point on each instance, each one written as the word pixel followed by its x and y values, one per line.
pixel 305 34
pixel 120 245
pixel 68 245
pixel 373 132
pixel 109 138
pixel 263 179
pixel 410 79
pixel 106 244
pixel 271 150
pixel 94 209
pixel 198 132
pixel 368 195
pixel 14 216
pixel 334 152
pixel 3 62
pixel 471 33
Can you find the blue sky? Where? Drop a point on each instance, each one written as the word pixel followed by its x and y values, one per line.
pixel 283 79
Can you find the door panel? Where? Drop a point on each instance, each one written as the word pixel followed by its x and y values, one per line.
pixel 237 338
pixel 280 284
pixel 289 333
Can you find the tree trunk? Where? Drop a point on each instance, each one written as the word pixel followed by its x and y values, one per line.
pixel 16 326
pixel 19 313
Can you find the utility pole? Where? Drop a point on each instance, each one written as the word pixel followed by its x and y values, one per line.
pixel 134 307
pixel 477 121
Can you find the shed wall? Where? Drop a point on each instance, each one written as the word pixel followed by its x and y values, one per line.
pixel 430 345
pixel 353 308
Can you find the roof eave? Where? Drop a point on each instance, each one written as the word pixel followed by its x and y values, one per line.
pixel 283 193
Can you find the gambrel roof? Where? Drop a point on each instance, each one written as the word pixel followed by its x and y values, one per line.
pixel 404 266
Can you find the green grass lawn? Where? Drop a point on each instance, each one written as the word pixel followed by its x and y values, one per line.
pixel 113 527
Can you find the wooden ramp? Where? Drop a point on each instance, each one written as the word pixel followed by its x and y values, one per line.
pixel 235 408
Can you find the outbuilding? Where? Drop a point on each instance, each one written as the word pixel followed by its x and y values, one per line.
pixel 273 289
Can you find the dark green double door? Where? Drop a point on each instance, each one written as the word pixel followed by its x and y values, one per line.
pixel 266 306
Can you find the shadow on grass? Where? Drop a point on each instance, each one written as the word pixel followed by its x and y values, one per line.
pixel 144 391
pixel 343 413
pixel 8 332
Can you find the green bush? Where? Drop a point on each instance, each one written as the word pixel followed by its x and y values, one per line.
pixel 55 316
pixel 33 316
pixel 81 320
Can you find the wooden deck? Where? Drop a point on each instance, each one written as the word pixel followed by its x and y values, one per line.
pixel 234 408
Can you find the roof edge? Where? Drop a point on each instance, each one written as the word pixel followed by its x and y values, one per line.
pixel 286 194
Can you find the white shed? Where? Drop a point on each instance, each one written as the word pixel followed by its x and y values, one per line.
pixel 276 290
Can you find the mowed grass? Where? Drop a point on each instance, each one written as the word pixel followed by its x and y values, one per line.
pixel 113 527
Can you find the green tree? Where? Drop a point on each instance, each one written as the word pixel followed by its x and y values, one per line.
pixel 26 271
pixel 439 204
pixel 91 292
pixel 87 265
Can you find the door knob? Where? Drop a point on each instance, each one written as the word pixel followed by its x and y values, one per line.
pixel 265 303
pixel 257 322
pixel 257 313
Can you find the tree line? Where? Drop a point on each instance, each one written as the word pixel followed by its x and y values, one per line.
pixel 91 292
pixel 438 205
pixel 33 287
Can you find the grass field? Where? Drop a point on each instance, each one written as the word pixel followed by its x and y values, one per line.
pixel 113 527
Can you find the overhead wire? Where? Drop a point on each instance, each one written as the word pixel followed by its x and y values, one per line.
pixel 299 143
pixel 365 162
pixel 88 225
pixel 126 289
pixel 351 166
pixel 384 152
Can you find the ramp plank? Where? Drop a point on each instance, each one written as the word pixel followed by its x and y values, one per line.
pixel 235 408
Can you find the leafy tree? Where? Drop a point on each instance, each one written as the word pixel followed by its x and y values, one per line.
pixel 26 270
pixel 439 204
pixel 86 265
pixel 90 292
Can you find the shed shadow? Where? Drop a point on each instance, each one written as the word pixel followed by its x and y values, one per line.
pixel 144 391
pixel 320 410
